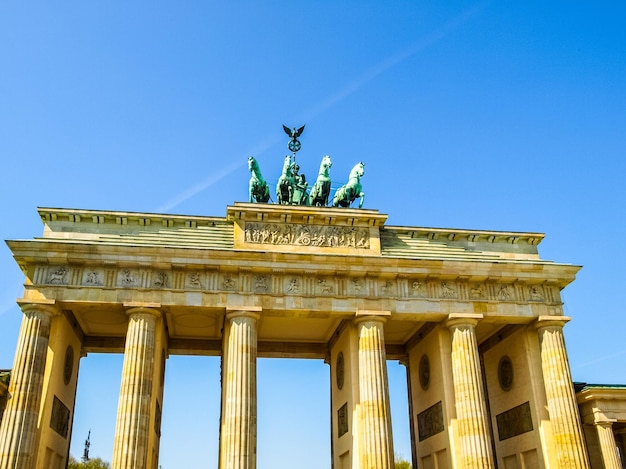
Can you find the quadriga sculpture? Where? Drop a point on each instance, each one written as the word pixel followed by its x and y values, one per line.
pixel 286 182
pixel 321 188
pixel 346 194
pixel 259 190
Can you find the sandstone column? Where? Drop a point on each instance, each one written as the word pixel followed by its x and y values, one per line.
pixel 238 422
pixel 566 428
pixel 471 410
pixel 18 434
pixel 375 438
pixel 608 446
pixel 130 449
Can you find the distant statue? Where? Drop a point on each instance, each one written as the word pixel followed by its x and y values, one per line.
pixel 259 190
pixel 300 195
pixel 294 143
pixel 85 457
pixel 346 194
pixel 321 188
pixel 286 183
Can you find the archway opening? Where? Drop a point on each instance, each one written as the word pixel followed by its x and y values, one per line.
pixel 293 414
pixel 95 411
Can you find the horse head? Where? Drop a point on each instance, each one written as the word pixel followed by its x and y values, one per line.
pixel 326 163
pixel 287 166
pixel 358 171
pixel 252 164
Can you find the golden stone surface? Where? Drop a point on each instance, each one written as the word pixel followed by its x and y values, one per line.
pixel 286 281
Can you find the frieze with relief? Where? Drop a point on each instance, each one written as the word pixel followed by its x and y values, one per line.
pixel 289 284
pixel 307 235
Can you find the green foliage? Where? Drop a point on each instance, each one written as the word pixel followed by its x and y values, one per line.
pixel 401 463
pixel 95 463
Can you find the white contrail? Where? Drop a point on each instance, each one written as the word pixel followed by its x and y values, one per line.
pixel 265 144
pixel 600 359
pixel 342 94
pixel 395 59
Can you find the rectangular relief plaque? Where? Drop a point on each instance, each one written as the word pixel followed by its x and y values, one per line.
pixel 342 420
pixel 307 235
pixel 430 421
pixel 60 418
pixel 514 421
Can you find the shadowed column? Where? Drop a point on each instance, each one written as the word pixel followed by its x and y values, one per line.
pixel 471 413
pixel 130 448
pixel 566 427
pixel 608 445
pixel 239 411
pixel 375 437
pixel 18 434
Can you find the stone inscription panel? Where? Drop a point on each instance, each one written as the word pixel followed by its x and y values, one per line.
pixel 430 421
pixel 307 235
pixel 514 421
pixel 342 420
pixel 60 418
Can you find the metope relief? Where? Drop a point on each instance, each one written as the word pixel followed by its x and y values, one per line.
pixel 535 293
pixel 58 276
pixel 325 287
pixel 307 235
pixel 505 292
pixel 127 278
pixel 260 284
pixel 477 292
pixel 93 277
pixel 229 283
pixel 161 280
pixel 447 290
pixel 418 289
pixel 387 288
pixel 293 286
pixel 194 280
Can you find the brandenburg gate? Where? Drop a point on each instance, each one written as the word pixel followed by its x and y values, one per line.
pixel 476 317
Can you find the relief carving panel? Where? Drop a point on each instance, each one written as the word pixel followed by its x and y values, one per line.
pixel 307 235
pixel 294 283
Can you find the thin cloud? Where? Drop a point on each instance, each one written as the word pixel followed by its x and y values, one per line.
pixel 332 100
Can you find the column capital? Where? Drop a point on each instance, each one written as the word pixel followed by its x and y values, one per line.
pixel 543 322
pixel 364 315
pixel 138 307
pixel 253 312
pixel 462 319
pixel 46 306
pixel 605 422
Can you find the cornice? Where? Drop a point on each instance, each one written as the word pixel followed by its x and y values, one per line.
pixel 597 392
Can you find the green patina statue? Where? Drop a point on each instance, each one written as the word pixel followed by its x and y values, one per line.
pixel 300 194
pixel 321 188
pixel 286 183
pixel 346 194
pixel 258 188
pixel 292 186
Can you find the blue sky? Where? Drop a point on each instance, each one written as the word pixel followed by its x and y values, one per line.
pixel 486 115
